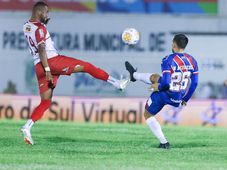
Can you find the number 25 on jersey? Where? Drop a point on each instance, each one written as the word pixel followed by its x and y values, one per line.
pixel 179 81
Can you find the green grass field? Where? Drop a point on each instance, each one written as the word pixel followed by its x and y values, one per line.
pixel 111 146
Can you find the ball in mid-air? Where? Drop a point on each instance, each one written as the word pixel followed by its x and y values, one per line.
pixel 130 36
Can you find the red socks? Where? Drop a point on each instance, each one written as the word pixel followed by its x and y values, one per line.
pixel 95 72
pixel 39 110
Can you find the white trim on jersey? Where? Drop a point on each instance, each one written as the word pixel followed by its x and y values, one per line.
pixel 166 71
pixel 41 42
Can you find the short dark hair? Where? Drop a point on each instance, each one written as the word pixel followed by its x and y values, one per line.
pixel 39 5
pixel 181 40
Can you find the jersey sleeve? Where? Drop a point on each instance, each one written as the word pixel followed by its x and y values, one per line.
pixel 194 83
pixel 195 65
pixel 40 34
pixel 166 75
pixel 192 62
pixel 166 68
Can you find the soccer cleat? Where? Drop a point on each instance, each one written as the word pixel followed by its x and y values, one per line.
pixel 164 145
pixel 123 83
pixel 27 136
pixel 131 70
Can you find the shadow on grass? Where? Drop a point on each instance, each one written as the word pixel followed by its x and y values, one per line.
pixel 57 139
pixel 190 145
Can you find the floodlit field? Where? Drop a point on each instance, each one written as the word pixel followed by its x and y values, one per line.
pixel 111 146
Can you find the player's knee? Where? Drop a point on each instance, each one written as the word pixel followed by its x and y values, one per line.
pixel 154 78
pixel 78 68
pixel 47 95
pixel 83 67
pixel 88 67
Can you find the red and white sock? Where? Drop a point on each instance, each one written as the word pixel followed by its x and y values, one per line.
pixel 100 74
pixel 29 124
pixel 37 113
pixel 95 72
pixel 40 109
pixel 113 81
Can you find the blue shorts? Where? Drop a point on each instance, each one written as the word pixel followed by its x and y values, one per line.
pixel 157 101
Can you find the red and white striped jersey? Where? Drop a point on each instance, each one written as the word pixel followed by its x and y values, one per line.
pixel 36 33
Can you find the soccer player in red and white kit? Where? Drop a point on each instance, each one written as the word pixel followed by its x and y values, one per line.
pixel 49 65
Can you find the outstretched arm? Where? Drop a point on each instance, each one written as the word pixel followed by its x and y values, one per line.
pixel 194 83
pixel 43 57
pixel 40 35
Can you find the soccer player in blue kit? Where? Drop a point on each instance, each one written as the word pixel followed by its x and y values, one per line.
pixel 175 87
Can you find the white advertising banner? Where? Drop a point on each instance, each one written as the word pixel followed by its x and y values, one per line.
pixel 114 110
pixel 97 38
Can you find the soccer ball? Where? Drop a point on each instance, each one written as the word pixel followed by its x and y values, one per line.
pixel 130 36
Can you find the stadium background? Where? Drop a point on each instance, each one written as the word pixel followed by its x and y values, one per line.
pixel 91 30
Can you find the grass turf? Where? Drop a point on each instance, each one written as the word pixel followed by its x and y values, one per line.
pixel 61 145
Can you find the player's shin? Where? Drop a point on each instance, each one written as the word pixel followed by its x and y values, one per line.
pixel 39 110
pixel 144 77
pixel 95 72
pixel 102 75
pixel 156 129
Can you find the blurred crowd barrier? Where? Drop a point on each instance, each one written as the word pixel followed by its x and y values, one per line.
pixel 120 6
pixel 211 90
pixel 114 110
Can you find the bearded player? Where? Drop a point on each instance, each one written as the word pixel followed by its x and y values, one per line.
pixel 49 64
pixel 175 87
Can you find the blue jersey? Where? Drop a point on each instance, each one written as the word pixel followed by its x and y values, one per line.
pixel 178 82
pixel 179 76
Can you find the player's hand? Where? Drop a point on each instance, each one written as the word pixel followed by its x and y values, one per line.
pixel 154 87
pixel 49 79
pixel 183 103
